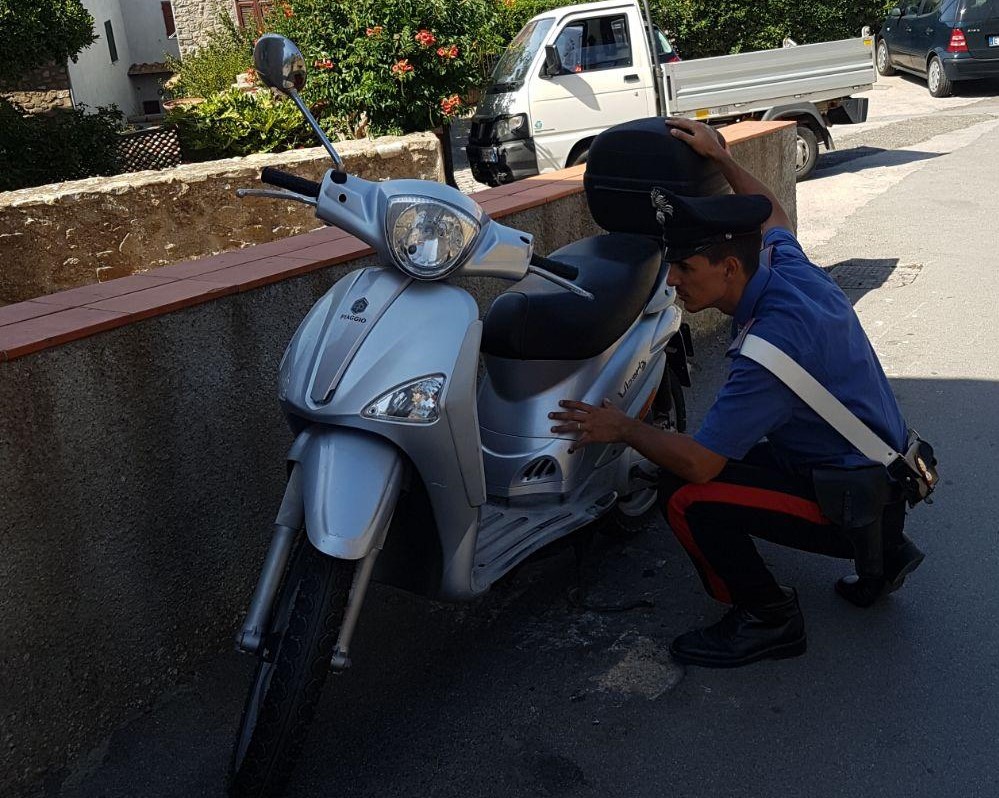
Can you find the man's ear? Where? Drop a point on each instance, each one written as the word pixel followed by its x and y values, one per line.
pixel 732 267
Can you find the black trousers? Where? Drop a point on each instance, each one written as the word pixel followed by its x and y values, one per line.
pixel 754 498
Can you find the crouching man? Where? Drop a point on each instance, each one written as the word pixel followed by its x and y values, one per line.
pixel 749 470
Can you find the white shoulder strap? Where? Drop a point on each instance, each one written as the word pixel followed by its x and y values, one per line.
pixel 811 392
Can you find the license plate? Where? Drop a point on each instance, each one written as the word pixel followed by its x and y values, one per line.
pixel 993 41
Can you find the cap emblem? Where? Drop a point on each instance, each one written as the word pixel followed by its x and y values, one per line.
pixel 662 205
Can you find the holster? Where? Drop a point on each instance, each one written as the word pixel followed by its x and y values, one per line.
pixel 854 499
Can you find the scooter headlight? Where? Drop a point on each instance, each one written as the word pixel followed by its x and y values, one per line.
pixel 428 239
pixel 415 403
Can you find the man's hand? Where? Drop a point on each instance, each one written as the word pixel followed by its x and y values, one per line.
pixel 603 424
pixel 703 139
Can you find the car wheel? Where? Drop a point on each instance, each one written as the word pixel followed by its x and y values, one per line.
pixel 883 59
pixel 936 79
pixel 806 152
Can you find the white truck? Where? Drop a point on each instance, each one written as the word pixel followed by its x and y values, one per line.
pixel 574 71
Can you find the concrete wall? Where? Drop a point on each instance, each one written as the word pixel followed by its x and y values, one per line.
pixel 146 30
pixel 95 79
pixel 85 231
pixel 141 470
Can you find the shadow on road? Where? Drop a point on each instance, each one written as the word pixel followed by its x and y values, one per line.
pixel 986 87
pixel 840 161
pixel 523 693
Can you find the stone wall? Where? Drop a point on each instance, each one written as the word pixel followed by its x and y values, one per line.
pixel 85 231
pixel 195 21
pixel 41 91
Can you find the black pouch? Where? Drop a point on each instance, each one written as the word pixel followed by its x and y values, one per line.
pixel 854 500
pixel 916 470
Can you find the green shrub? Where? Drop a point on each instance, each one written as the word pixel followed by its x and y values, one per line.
pixel 36 32
pixel 732 26
pixel 232 123
pixel 389 66
pixel 35 150
pixel 214 67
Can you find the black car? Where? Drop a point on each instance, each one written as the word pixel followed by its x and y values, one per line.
pixel 941 40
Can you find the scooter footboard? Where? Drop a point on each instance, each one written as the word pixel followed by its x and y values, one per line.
pixel 350 485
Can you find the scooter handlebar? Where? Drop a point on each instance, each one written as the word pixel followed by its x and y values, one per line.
pixel 275 177
pixel 564 270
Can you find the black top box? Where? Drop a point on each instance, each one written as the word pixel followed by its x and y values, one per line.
pixel 627 161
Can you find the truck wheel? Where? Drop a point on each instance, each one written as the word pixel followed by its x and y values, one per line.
pixel 576 158
pixel 883 59
pixel 936 79
pixel 291 672
pixel 806 152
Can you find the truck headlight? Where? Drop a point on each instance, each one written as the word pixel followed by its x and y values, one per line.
pixel 417 402
pixel 428 238
pixel 510 128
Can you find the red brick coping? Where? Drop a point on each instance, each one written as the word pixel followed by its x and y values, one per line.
pixel 60 318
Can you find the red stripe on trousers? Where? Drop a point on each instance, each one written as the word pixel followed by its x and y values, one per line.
pixel 739 495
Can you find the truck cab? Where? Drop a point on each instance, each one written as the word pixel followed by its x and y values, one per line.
pixel 568 74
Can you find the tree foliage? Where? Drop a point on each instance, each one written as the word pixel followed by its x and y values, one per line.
pixel 37 32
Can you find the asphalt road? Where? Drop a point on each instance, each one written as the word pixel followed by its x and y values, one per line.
pixel 541 689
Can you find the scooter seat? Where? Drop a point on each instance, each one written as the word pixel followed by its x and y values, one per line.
pixel 538 320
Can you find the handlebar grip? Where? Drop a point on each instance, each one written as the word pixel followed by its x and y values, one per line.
pixel 558 268
pixel 299 185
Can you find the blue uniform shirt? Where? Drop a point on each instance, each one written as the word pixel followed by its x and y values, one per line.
pixel 797 307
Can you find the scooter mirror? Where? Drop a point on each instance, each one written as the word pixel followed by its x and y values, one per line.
pixel 279 63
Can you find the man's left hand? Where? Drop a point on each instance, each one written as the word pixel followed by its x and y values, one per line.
pixel 594 424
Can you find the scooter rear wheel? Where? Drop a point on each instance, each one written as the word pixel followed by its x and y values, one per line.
pixel 291 672
pixel 633 514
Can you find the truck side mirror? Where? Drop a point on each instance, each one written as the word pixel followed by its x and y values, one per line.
pixel 895 13
pixel 553 62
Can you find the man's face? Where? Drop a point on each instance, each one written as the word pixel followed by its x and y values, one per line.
pixel 699 282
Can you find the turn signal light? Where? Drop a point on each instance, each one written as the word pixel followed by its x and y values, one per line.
pixel 958 44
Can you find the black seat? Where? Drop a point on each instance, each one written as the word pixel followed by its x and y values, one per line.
pixel 537 320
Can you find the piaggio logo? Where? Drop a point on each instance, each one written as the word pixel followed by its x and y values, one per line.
pixel 359 306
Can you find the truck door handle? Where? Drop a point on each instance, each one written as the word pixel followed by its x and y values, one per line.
pixel 631 78
pixel 929 31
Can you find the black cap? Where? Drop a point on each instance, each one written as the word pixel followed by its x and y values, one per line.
pixel 692 224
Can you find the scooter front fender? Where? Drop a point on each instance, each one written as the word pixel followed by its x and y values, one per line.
pixel 350 485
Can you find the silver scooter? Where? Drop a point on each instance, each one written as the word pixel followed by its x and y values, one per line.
pixel 409 468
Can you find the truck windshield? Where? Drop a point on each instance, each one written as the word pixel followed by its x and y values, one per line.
pixel 512 67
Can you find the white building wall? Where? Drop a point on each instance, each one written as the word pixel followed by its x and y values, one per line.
pixel 147 38
pixel 94 80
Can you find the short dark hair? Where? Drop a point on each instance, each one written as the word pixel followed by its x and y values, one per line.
pixel 745 248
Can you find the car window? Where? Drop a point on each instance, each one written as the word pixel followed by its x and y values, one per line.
pixel 586 45
pixel 930 6
pixel 910 9
pixel 979 10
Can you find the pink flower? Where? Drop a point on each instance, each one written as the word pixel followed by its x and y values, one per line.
pixel 400 68
pixel 449 104
pixel 448 52
pixel 425 38
pixel 324 63
pixel 375 31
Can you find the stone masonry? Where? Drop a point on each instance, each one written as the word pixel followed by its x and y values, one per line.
pixel 196 20
pixel 86 231
pixel 41 91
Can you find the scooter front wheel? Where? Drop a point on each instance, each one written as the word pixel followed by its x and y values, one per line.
pixel 291 672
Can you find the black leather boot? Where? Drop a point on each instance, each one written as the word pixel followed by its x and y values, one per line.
pixel 900 561
pixel 745 635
